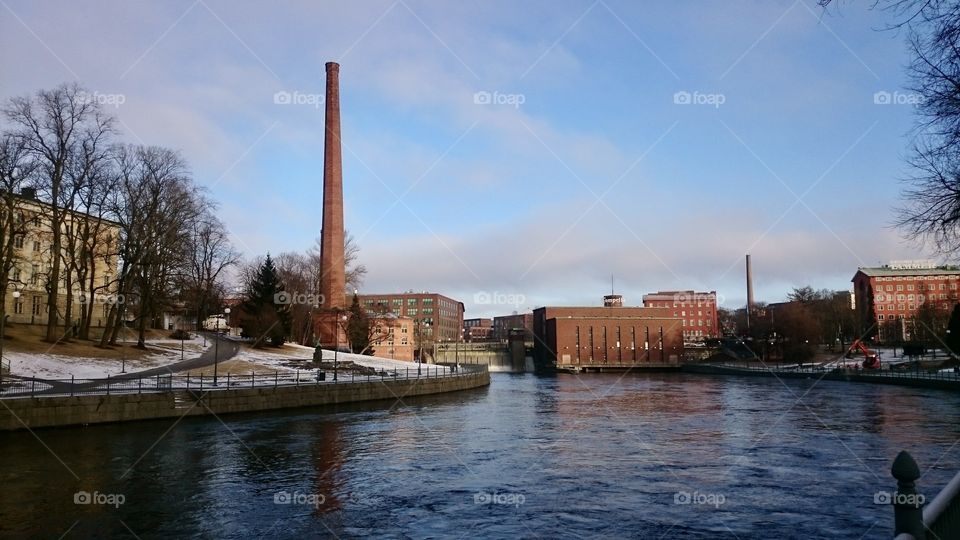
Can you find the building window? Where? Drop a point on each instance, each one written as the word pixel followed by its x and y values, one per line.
pixel 18 241
pixel 18 306
pixel 37 303
pixel 910 287
pixel 35 275
pixel 36 246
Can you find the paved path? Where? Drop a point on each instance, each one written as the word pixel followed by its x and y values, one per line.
pixel 224 349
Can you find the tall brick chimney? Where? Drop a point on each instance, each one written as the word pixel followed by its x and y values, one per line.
pixel 333 273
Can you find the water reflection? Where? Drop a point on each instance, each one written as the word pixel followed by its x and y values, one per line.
pixel 597 455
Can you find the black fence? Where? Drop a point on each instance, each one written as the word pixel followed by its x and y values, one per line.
pixel 26 387
pixel 942 375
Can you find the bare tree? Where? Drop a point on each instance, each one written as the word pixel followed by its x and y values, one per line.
pixel 930 207
pixel 209 254
pixel 63 130
pixel 15 168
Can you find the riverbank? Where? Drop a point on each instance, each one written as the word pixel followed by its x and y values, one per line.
pixel 939 381
pixel 137 404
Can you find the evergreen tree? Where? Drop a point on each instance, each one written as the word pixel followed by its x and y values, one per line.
pixel 953 331
pixel 358 328
pixel 266 309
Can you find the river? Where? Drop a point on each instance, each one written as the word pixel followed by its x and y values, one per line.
pixel 661 455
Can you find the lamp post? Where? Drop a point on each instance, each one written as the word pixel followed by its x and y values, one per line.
pixel 216 347
pixel 336 349
pixel 3 335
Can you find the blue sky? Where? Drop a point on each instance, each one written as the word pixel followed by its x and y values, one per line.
pixel 598 172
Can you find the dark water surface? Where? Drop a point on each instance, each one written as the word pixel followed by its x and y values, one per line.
pixel 548 457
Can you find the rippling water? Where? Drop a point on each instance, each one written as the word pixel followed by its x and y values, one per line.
pixel 549 457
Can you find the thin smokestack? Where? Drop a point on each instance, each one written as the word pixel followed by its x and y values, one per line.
pixel 749 291
pixel 332 280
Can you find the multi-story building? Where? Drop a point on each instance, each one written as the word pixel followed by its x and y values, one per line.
pixel 477 329
pixel 598 338
pixel 890 296
pixel 392 337
pixel 436 317
pixel 697 310
pixel 26 298
pixel 518 321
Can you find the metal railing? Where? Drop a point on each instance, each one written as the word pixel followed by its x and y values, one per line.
pixel 27 387
pixel 940 518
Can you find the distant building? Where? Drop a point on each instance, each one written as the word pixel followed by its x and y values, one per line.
pixel 438 317
pixel 392 336
pixel 595 338
pixel 889 296
pixel 518 321
pixel 477 329
pixel 33 253
pixel 697 310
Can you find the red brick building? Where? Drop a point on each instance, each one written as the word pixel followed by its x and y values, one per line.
pixel 518 321
pixel 697 310
pixel 438 317
pixel 477 329
pixel 595 338
pixel 894 292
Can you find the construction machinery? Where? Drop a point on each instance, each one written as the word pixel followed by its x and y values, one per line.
pixel 871 360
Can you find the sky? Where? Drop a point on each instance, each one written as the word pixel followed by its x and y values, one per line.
pixel 517 154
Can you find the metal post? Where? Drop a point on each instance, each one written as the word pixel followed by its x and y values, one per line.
pixel 276 378
pixel 907 508
pixel 139 385
pixel 298 376
pixel 71 385
pixel 228 379
pixel 216 351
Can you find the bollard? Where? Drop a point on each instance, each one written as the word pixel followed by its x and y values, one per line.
pixel 907 509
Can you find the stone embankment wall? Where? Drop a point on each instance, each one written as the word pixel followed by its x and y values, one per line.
pixel 48 411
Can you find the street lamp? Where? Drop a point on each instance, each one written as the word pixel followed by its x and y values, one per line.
pixel 216 346
pixel 3 335
pixel 336 349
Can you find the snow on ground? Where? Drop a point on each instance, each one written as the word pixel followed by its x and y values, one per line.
pixel 55 366
pixel 276 358
pixel 58 366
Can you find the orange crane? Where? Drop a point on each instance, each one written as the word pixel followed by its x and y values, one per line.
pixel 871 360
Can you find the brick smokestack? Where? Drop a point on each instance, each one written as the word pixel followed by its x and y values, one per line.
pixel 333 274
pixel 749 291
pixel 333 278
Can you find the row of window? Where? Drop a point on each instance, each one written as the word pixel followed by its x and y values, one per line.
pixel 38 306
pixel 921 298
pixel 920 287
